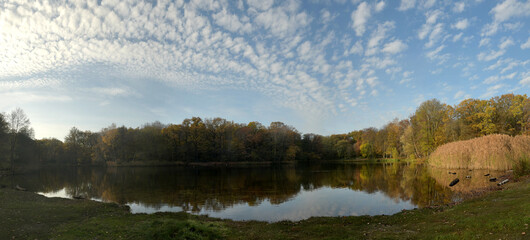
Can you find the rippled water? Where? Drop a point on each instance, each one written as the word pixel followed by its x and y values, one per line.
pixel 268 193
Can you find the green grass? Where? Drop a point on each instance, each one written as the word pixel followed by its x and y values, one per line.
pixel 498 215
pixel 142 226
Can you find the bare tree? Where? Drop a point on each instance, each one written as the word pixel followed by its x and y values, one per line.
pixel 18 123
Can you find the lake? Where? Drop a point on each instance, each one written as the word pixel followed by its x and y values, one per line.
pixel 266 193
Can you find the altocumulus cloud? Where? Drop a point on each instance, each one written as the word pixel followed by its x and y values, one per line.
pixel 317 58
pixel 196 44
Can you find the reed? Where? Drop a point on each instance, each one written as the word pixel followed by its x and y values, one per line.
pixel 496 152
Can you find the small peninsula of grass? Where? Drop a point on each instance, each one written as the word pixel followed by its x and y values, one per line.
pixel 501 214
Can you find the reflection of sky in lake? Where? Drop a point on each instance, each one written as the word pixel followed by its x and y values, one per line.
pixel 61 194
pixel 321 202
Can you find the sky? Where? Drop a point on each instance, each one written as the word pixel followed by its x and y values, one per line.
pixel 321 66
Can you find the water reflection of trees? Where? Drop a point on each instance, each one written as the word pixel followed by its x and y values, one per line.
pixel 196 188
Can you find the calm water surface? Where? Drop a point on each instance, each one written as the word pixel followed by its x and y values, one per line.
pixel 268 193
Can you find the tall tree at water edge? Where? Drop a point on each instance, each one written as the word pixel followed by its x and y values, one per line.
pixel 19 126
pixel 430 117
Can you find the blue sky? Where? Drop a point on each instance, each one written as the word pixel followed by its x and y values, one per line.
pixel 320 66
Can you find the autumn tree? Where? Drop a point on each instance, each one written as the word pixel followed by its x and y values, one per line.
pixel 281 137
pixel 430 118
pixel 410 142
pixel 51 150
pixel 82 146
pixel 510 113
pixel 367 150
pixel 467 115
pixel 150 142
pixel 172 134
pixel 118 144
pixel 311 147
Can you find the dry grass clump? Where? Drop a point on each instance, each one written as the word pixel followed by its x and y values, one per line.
pixel 497 151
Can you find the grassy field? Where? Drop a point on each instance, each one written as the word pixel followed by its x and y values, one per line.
pixel 497 215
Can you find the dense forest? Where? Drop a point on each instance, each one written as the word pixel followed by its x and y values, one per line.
pixel 219 140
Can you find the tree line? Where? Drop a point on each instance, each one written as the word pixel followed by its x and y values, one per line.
pixel 219 140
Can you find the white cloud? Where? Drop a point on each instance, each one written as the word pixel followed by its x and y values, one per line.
pixel 428 3
pixel 360 17
pixel 424 31
pixel 380 6
pixel 262 5
pixel 406 77
pixel 484 42
pixel 304 49
pixel 419 99
pixel 379 63
pixel 490 29
pixel 459 94
pixel 377 36
pixel 457 37
pixel 492 91
pixel 435 35
pixel 491 55
pixel 406 5
pixel 510 9
pixel 509 76
pixel 281 21
pixel 491 79
pixel 506 65
pixel 506 43
pixel 300 58
pixel 496 78
pixel 526 79
pixel 170 42
pixel 31 83
pixel 32 97
pixel 505 11
pixel 357 48
pixel 326 16
pixel 496 65
pixel 459 7
pixel 231 22
pixel 435 54
pixel 113 91
pixel 516 26
pixel 432 16
pixel 394 47
pixel 526 45
pixel 461 24
pixel 431 28
pixel 372 81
